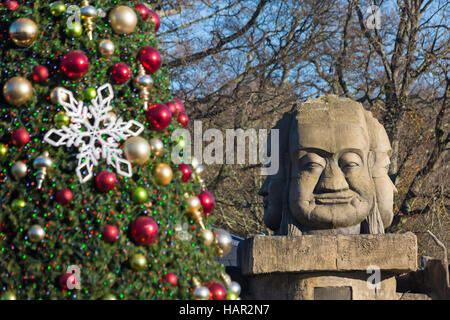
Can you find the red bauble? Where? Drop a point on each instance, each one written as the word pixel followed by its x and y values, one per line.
pixel 186 171
pixel 171 278
pixel 155 19
pixel 207 201
pixel 106 181
pixel 20 137
pixel 172 107
pixel 143 11
pixel 159 117
pixel 150 59
pixel 74 64
pixel 183 119
pixel 178 105
pixel 11 5
pixel 110 233
pixel 40 74
pixel 64 196
pixel 144 231
pixel 67 278
pixel 120 73
pixel 218 290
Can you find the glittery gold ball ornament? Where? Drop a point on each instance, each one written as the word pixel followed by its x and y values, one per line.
pixel 193 204
pixel 163 174
pixel 19 169
pixel 55 94
pixel 36 233
pixel 3 150
pixel 225 242
pixel 23 32
pixel 123 19
pixel 109 296
pixel 156 147
pixel 61 119
pixel 17 91
pixel 138 262
pixel 107 48
pixel 208 237
pixel 137 150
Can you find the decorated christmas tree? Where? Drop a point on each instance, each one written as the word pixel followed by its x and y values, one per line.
pixel 92 205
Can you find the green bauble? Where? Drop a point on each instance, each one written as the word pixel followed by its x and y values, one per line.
pixel 3 150
pixel 138 262
pixel 57 9
pixel 18 204
pixel 90 93
pixel 61 119
pixel 74 30
pixel 139 195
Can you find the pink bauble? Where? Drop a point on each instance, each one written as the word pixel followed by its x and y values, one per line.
pixel 20 137
pixel 64 196
pixel 74 64
pixel 218 290
pixel 143 10
pixel 106 181
pixel 40 74
pixel 186 172
pixel 183 119
pixel 171 278
pixel 207 201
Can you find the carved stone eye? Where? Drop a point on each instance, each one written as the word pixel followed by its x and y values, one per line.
pixel 312 162
pixel 350 161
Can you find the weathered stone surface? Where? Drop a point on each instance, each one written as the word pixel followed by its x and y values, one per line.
pixel 394 253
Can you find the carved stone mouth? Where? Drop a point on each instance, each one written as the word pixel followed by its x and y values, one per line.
pixel 333 199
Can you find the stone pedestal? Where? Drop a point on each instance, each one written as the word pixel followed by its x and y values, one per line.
pixel 315 267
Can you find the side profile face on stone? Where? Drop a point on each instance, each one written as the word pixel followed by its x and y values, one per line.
pixel 333 179
pixel 330 183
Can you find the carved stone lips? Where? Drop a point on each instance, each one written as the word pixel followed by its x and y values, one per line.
pixel 333 198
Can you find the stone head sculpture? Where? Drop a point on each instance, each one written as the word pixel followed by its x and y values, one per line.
pixel 333 171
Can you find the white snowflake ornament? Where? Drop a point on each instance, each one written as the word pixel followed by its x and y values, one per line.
pixel 94 132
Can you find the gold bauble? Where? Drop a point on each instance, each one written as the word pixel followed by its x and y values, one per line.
pixel 193 204
pixel 156 147
pixel 137 150
pixel 23 32
pixel 55 94
pixel 208 237
pixel 123 19
pixel 17 91
pixel 163 174
pixel 138 262
pixel 19 169
pixel 3 150
pixel 224 241
pixel 36 233
pixel 107 48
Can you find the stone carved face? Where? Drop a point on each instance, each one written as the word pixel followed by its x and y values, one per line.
pixel 330 184
pixel 337 160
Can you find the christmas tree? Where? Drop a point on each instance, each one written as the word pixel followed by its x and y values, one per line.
pixel 92 206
